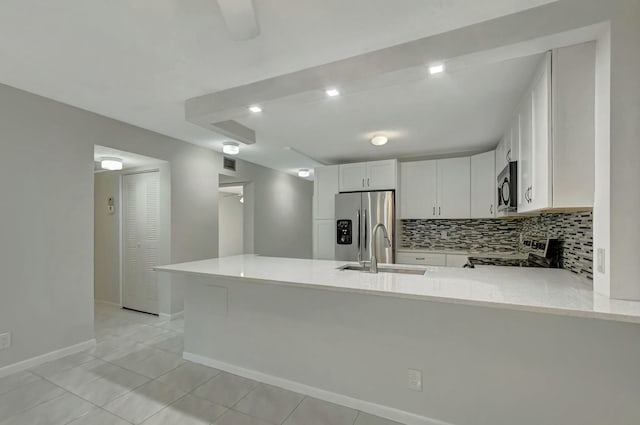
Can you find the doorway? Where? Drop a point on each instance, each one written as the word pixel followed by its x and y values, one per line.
pixel 132 224
pixel 140 237
pixel 231 221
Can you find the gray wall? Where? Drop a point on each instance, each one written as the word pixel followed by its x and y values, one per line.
pixel 107 238
pixel 278 211
pixel 46 231
pixel 47 225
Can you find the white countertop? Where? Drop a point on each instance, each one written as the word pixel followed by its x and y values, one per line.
pixel 530 289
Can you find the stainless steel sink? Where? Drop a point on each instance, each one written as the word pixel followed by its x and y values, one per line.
pixel 382 269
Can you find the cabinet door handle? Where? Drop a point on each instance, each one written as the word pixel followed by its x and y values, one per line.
pixel 419 258
pixel 491 209
pixel 439 211
pixel 363 182
pixel 434 211
pixel 368 182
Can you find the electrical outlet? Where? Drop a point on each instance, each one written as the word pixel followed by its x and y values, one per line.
pixel 414 379
pixel 600 260
pixel 5 340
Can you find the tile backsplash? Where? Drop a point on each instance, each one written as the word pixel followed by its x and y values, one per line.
pixel 574 230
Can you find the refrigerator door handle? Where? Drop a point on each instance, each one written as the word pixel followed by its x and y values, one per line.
pixel 365 229
pixel 359 250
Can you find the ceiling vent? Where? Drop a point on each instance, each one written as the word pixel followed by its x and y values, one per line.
pixel 229 164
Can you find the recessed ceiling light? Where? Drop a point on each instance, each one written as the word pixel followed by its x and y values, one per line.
pixel 255 108
pixel 436 69
pixel 332 92
pixel 111 164
pixel 230 148
pixel 304 172
pixel 379 140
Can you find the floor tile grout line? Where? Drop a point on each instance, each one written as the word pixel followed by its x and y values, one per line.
pixel 304 397
pixel 34 406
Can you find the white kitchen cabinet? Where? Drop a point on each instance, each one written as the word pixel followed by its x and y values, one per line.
pixel 500 156
pixel 525 154
pixel 374 175
pixel 483 185
pixel 435 189
pixel 507 149
pixel 534 167
pixel 454 188
pixel 418 189
pixel 557 132
pixel 324 239
pixel 353 177
pixel 456 260
pixel 421 259
pixel 325 188
pixel 573 118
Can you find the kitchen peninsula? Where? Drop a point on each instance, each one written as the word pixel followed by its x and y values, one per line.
pixel 485 334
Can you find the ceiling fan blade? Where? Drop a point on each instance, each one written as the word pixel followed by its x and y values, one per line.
pixel 240 18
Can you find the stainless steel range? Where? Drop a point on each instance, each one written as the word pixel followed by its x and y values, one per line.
pixel 540 252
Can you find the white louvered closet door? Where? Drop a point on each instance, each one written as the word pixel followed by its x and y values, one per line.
pixel 140 210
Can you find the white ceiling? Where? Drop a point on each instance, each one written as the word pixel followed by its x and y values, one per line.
pixel 235 190
pixel 139 61
pixel 129 160
pixel 462 110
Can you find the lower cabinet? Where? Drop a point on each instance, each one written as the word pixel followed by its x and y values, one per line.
pixel 431 259
pixel 324 239
pixel 421 259
pixel 456 260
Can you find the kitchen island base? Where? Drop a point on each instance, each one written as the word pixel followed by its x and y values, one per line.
pixel 480 365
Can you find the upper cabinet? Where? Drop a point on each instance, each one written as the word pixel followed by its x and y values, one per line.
pixel 483 185
pixel 362 176
pixel 573 118
pixel 435 189
pixel 418 189
pixel 454 188
pixel 325 188
pixel 557 137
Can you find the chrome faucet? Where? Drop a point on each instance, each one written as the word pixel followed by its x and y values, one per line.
pixel 374 246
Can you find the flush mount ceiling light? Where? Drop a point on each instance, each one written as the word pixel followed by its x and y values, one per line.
pixel 111 164
pixel 379 140
pixel 230 148
pixel 304 172
pixel 436 69
pixel 333 92
pixel 255 109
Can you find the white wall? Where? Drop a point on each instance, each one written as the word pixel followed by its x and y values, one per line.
pixel 278 211
pixel 230 225
pixel 602 198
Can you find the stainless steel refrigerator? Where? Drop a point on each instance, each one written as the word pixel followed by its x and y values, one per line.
pixel 357 214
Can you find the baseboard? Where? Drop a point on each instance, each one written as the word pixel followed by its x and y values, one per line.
pixel 47 357
pixel 332 397
pixel 174 316
pixel 108 303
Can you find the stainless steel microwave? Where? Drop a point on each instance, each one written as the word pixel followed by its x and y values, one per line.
pixel 508 188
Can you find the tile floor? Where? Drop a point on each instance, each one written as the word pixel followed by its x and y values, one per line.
pixel 136 375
